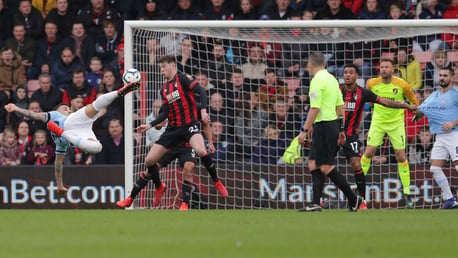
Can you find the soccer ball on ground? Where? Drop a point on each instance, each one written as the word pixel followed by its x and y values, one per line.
pixel 131 75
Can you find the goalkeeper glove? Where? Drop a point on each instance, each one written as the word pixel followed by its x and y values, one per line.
pixel 417 116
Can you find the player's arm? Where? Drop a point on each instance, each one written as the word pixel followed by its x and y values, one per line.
pixel 59 169
pixel 208 134
pixel 163 114
pixel 396 104
pixel 447 126
pixel 27 113
pixel 203 102
pixel 409 94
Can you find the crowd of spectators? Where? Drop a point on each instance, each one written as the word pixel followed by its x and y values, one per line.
pixel 74 50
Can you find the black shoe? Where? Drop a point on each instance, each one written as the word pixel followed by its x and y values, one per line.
pixel 355 206
pixel 311 208
pixel 409 201
pixel 131 86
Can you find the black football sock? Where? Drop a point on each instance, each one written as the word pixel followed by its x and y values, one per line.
pixel 210 166
pixel 342 184
pixel 186 189
pixel 138 186
pixel 317 185
pixel 360 180
pixel 153 172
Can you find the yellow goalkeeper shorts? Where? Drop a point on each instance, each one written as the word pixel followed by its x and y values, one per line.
pixel 397 135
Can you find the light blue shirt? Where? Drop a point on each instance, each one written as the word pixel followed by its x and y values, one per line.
pixel 58 119
pixel 441 108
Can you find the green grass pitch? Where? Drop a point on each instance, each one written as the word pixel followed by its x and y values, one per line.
pixel 228 233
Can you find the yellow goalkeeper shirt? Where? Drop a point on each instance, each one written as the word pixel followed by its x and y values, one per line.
pixel 397 90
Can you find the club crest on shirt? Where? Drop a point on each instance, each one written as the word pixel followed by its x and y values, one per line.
pixel 442 102
pixel 395 91
pixel 356 96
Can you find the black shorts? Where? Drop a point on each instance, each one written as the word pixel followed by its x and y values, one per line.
pixel 174 136
pixel 182 152
pixel 324 142
pixel 352 147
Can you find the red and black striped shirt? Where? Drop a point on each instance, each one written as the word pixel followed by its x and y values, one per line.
pixel 354 106
pixel 179 96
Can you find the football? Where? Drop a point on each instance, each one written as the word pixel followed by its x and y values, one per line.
pixel 131 75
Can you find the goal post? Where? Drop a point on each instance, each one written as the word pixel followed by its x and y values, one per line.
pixel 253 168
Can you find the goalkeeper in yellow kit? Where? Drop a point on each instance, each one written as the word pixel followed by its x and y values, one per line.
pixel 389 121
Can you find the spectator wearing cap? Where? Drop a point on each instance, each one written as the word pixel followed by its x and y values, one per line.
pixel 152 12
pixel 47 95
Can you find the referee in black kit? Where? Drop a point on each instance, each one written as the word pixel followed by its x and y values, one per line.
pixel 323 126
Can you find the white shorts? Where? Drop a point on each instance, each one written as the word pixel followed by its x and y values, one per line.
pixel 80 124
pixel 445 145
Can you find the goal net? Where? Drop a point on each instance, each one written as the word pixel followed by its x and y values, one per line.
pixel 257 89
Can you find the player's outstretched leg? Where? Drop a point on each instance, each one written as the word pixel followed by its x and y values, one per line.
pixel 92 146
pixel 55 129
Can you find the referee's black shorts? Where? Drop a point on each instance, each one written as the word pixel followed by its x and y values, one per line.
pixel 324 142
